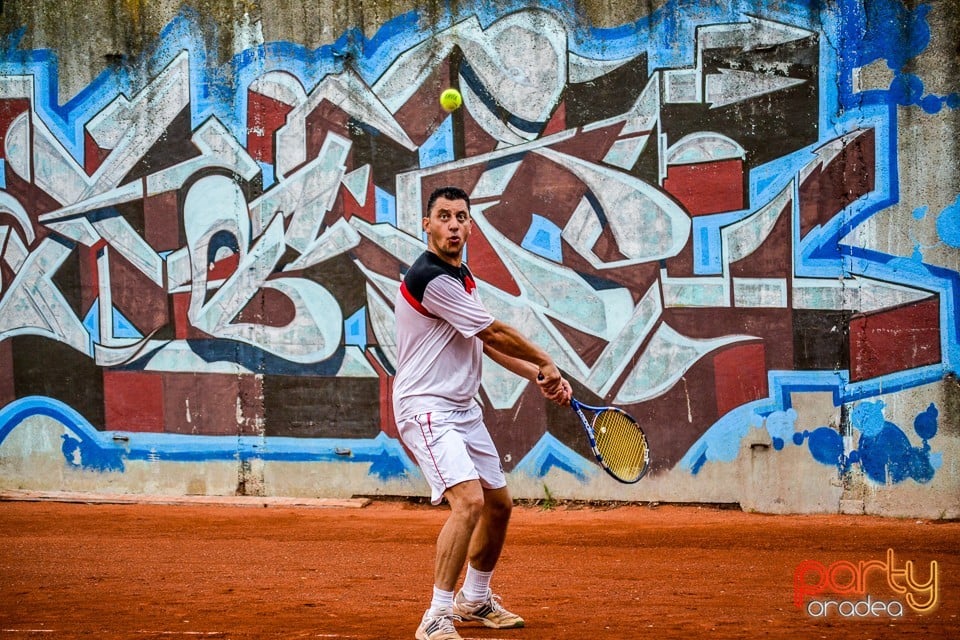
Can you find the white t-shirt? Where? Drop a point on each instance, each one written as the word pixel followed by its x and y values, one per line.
pixel 439 314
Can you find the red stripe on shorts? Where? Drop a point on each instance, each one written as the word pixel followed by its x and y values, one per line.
pixel 429 450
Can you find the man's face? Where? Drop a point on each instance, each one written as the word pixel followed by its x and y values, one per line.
pixel 448 226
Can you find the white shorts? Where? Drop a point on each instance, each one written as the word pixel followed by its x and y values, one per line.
pixel 451 447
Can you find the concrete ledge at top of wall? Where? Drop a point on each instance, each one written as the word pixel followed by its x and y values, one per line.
pixel 132 498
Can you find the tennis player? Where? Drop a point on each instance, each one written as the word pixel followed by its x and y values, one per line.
pixel 442 331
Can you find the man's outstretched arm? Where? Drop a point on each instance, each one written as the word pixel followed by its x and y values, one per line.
pixel 509 348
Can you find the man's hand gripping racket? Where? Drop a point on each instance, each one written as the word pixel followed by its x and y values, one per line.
pixel 617 441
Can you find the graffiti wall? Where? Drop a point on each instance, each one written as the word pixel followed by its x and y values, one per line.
pixel 710 217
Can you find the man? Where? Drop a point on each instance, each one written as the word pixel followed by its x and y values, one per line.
pixel 442 331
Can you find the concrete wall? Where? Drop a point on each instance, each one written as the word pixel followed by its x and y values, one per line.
pixel 738 221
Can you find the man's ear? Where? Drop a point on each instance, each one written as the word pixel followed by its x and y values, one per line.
pixel 425 222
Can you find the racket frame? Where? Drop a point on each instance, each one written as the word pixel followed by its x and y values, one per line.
pixel 578 408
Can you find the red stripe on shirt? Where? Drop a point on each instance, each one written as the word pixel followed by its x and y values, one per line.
pixel 416 304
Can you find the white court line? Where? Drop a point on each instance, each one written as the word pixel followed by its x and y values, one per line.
pixel 183 633
pixel 141 631
pixel 187 633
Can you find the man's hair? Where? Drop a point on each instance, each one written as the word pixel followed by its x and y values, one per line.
pixel 450 193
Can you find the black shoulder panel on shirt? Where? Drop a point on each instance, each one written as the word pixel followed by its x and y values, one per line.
pixel 427 267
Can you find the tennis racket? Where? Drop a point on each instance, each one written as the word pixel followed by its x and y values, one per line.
pixel 616 439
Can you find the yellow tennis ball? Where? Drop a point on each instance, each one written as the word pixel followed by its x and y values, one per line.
pixel 450 100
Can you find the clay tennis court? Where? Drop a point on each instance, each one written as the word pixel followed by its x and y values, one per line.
pixel 70 570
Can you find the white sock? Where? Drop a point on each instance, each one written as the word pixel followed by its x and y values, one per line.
pixel 476 585
pixel 442 600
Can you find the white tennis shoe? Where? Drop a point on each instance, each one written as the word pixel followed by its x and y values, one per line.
pixel 490 612
pixel 438 626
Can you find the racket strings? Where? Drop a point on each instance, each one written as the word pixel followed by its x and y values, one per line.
pixel 621 444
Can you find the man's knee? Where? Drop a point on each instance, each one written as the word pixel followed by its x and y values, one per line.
pixel 466 500
pixel 498 504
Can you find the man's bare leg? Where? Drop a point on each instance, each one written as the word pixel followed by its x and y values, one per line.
pixel 476 602
pixel 491 531
pixel 466 507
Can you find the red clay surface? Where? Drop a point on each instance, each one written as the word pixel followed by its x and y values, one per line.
pixel 155 571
